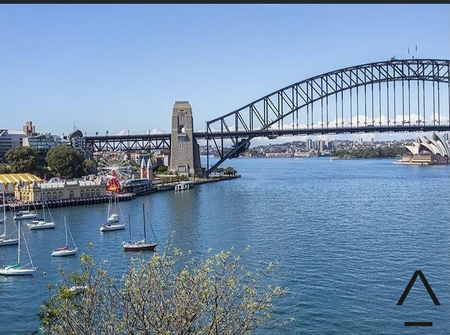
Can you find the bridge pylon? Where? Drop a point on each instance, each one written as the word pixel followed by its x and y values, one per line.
pixel 184 149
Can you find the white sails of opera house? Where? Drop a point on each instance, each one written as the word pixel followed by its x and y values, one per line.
pixel 427 151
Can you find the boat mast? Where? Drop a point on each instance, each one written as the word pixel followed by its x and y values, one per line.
pixel 143 214
pixel 4 207
pixel 28 251
pixel 18 248
pixel 109 206
pixel 65 228
pixel 129 223
pixel 4 229
pixel 68 230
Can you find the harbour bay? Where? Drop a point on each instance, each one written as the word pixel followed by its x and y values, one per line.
pixel 348 235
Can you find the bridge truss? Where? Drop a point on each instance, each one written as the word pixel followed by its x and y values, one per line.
pixel 391 96
pixel 127 142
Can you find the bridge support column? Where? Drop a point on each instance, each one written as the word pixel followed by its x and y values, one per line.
pixel 184 150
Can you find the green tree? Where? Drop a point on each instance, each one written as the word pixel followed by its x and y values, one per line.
pixel 230 171
pixel 161 169
pixel 65 161
pixel 22 159
pixel 167 294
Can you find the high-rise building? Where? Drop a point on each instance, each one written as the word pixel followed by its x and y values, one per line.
pixel 10 139
pixel 42 143
pixel 321 145
pixel 29 129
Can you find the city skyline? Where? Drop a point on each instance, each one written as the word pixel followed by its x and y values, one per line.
pixel 120 68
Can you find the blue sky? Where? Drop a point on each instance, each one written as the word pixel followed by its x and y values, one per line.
pixel 121 67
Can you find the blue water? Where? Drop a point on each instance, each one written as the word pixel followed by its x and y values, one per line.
pixel 348 235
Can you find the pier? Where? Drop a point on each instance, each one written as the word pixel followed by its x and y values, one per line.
pixel 121 197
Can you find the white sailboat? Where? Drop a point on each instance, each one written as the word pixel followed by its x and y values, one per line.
pixel 26 215
pixel 66 251
pixel 42 223
pixel 17 269
pixel 113 221
pixel 142 244
pixel 4 240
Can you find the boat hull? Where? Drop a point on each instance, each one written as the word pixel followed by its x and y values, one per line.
pixel 17 272
pixel 112 227
pixel 63 253
pixel 25 217
pixel 8 241
pixel 35 226
pixel 139 247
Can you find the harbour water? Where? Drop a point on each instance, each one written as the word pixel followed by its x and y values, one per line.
pixel 348 235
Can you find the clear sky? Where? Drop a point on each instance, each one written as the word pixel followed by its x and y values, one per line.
pixel 121 67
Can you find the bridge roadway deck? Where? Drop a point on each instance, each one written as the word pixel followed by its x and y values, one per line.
pixel 274 132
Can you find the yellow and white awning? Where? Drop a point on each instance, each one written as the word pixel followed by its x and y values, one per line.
pixel 9 181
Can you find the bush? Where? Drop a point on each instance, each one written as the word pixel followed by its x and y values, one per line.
pixel 167 294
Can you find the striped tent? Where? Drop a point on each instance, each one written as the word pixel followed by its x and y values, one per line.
pixel 9 181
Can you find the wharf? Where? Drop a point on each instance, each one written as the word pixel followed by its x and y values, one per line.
pixel 105 198
pixel 199 181
pixel 69 202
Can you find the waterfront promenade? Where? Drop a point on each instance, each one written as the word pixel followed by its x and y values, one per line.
pixel 21 205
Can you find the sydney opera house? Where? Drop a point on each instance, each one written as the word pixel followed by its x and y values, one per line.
pixel 427 151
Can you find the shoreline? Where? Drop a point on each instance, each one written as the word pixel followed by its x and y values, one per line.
pixel 105 198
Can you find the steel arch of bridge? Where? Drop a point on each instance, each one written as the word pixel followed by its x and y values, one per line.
pixel 298 100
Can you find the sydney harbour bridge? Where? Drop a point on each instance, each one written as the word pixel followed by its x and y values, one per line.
pixel 410 95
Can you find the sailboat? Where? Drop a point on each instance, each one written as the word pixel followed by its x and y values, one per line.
pixel 113 221
pixel 16 269
pixel 41 223
pixel 142 244
pixel 66 251
pixel 26 215
pixel 3 239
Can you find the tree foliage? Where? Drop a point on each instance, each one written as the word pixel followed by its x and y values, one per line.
pixel 380 152
pixel 22 159
pixel 4 168
pixel 65 161
pixel 167 294
pixel 230 171
pixel 161 169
